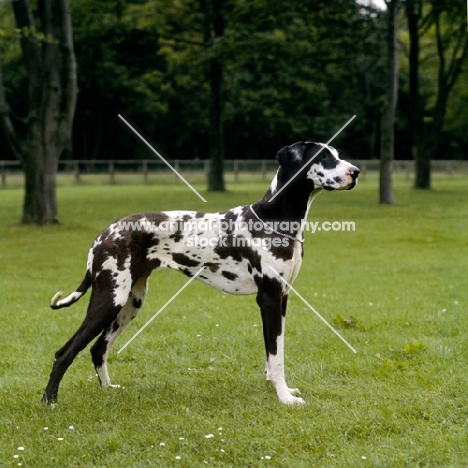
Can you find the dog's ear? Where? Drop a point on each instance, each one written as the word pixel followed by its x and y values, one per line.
pixel 290 158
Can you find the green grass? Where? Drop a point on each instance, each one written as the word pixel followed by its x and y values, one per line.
pixel 396 288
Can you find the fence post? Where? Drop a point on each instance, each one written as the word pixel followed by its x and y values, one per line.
pixel 145 170
pixel 236 170
pixel 3 170
pixel 76 170
pixel 111 172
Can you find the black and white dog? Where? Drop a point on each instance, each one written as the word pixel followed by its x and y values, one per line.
pixel 235 248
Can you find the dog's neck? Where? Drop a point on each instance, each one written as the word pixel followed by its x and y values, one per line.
pixel 291 204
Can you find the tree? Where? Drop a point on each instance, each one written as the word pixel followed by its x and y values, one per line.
pixel 441 19
pixel 387 120
pixel 213 30
pixel 47 49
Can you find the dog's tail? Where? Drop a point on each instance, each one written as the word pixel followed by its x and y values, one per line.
pixel 56 303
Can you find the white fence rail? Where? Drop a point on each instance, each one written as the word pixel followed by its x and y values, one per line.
pixel 79 168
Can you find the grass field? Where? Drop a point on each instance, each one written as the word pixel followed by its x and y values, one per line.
pixel 193 389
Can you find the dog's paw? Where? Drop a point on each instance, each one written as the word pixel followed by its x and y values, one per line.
pixel 292 400
pixel 49 400
pixel 286 396
pixel 109 385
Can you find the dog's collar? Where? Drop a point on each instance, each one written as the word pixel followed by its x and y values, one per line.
pixel 268 228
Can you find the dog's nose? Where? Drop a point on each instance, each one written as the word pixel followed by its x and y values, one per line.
pixel 354 172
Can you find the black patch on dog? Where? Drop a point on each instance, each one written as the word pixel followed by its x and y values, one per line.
pixel 238 254
pixel 136 303
pixel 177 236
pixel 270 292
pixel 182 259
pixel 230 216
pixel 212 266
pixel 228 275
pixel 327 160
pixel 115 326
pixel 284 252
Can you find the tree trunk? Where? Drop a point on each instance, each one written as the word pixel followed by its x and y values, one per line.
pixel 423 152
pixel 387 122
pixel 452 50
pixel 50 62
pixel 419 134
pixel 213 21
pixel 216 168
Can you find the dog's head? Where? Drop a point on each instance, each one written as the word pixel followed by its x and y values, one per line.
pixel 318 164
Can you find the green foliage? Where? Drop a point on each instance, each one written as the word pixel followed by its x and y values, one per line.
pixel 290 73
pixel 439 75
pixel 414 348
pixel 293 70
pixel 349 322
pixel 199 366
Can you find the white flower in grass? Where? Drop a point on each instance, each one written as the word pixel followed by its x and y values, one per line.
pixel 71 428
pixel 177 457
pixel 59 438
pixel 209 436
pixel 21 448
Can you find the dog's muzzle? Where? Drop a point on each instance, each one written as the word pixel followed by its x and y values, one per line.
pixel 353 172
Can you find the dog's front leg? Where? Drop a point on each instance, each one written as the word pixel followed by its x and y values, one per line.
pixel 272 305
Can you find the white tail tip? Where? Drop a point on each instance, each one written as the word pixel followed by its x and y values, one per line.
pixel 56 298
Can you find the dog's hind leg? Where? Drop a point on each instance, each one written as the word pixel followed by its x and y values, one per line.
pixel 102 311
pixel 101 349
pixel 272 304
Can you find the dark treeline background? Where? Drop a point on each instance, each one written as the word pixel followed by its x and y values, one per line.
pixel 292 70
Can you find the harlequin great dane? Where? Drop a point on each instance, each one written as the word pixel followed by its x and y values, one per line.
pixel 240 250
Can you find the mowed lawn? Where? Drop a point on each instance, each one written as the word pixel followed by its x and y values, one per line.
pixel 193 389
